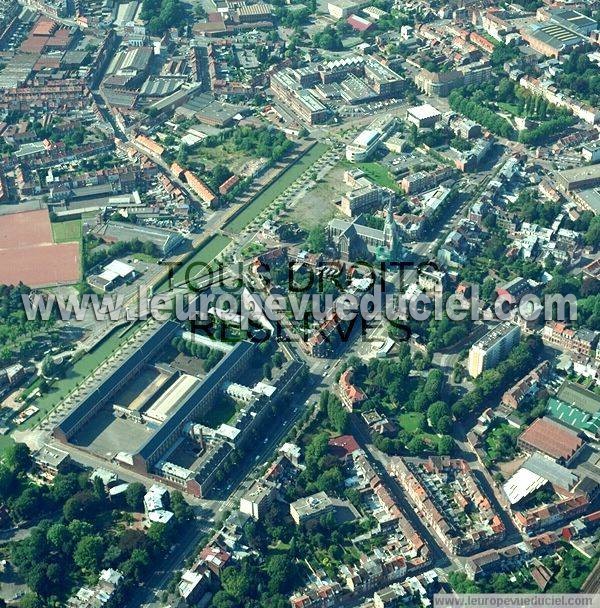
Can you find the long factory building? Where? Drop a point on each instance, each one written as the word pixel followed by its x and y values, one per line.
pixel 195 398
pixel 91 404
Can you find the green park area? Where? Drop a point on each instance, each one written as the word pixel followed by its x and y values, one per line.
pixel 76 373
pixel 195 265
pixel 379 174
pixel 411 421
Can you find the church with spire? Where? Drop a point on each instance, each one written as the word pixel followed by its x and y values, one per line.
pixel 392 249
pixel 355 240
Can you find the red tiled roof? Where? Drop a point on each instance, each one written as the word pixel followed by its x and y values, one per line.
pixel 552 438
pixel 343 445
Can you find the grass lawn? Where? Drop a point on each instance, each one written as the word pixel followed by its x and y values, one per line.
pixel 144 257
pixel 511 108
pixel 5 441
pixel 379 174
pixel 221 413
pixel 269 194
pixel 490 39
pixel 410 421
pixel 225 154
pixel 66 232
pixel 279 548
pixel 205 254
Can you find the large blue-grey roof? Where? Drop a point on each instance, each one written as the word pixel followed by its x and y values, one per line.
pixel 109 384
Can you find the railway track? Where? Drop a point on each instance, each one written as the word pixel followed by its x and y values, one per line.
pixel 592 582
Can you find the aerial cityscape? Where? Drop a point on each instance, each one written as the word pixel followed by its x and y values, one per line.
pixel 299 302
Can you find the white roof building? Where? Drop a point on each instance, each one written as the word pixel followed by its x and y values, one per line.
pixel 160 516
pixel 121 269
pixel 521 484
pixel 191 581
pixel 424 112
pixel 153 499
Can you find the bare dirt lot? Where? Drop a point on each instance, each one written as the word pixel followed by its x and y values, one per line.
pixel 318 205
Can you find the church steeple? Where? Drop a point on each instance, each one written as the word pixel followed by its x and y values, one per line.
pixel 389 228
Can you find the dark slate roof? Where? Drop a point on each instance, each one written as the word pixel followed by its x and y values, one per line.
pixel 107 386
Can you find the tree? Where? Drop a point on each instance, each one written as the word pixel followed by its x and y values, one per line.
pixel 130 540
pixel 236 583
pixel 445 445
pixel 279 569
pixel 49 367
pixel 214 356
pixel 83 505
pixel 30 503
pixel 444 425
pixel 330 481
pixel 161 15
pixel 328 39
pixel 64 486
pixel 18 457
pixel 55 575
pixel 59 537
pixel 99 489
pixel 592 235
pixel 7 481
pixel 181 509
pixel 316 449
pixel 501 443
pixel 416 445
pixel 479 113
pixel 338 415
pixel 316 240
pixel 88 553
pixel 267 371
pixel 136 565
pixel 437 411
pixel 134 496
pixel 546 131
pixel 461 584
pixel 222 599
pixel 31 600
pixel 488 288
pixel 79 529
pixel 161 535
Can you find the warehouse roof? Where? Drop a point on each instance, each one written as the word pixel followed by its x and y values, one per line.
pixel 574 417
pixel 424 112
pixel 108 384
pixel 579 397
pixel 555 473
pixel 551 438
pixel 521 484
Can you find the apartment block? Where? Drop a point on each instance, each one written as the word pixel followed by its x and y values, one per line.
pixel 258 498
pixel 489 350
